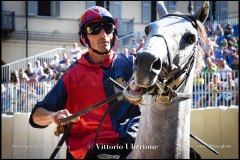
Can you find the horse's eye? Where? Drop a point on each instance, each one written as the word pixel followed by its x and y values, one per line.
pixel 191 38
pixel 187 39
pixel 146 30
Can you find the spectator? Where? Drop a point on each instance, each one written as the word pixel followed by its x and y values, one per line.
pixel 42 76
pixel 199 89
pixel 54 65
pixel 5 99
pixel 212 36
pixel 46 68
pixel 29 71
pixel 227 96
pixel 210 49
pixel 229 52
pixel 50 75
pixel 228 30
pixel 56 75
pixel 63 58
pixel 125 51
pixel 23 76
pixel 65 66
pixel 214 89
pixel 133 52
pixel 14 78
pixel 134 44
pixel 38 67
pixel 235 42
pixel 209 69
pixel 210 66
pixel 223 69
pixel 219 30
pixel 142 42
pixel 235 64
pixel 75 51
pixel 223 45
pixel 33 78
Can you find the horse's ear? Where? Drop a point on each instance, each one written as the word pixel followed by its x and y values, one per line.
pixel 161 9
pixel 202 13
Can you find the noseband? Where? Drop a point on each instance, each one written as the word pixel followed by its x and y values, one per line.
pixel 165 94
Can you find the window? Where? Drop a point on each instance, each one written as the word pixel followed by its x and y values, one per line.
pixel 171 6
pixel 115 9
pixel 146 11
pixel 90 3
pixel 44 8
pixel 223 14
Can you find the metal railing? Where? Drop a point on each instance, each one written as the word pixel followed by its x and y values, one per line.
pixel 16 65
pixel 216 89
pixel 22 97
pixel 22 64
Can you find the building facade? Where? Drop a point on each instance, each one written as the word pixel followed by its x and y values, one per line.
pixel 32 27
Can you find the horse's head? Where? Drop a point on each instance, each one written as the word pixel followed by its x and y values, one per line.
pixel 170 48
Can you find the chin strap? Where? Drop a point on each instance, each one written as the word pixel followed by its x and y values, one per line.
pixel 100 53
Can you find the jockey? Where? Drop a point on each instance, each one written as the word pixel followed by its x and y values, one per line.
pixel 85 84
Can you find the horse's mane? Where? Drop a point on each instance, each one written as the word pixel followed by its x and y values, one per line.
pixel 200 52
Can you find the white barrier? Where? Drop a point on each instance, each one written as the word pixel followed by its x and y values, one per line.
pixel 216 126
pixel 21 141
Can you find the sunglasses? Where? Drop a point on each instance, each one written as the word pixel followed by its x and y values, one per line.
pixel 95 28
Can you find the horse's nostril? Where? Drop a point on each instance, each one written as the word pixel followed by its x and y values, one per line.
pixel 156 65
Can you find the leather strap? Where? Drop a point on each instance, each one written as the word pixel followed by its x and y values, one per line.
pixel 64 137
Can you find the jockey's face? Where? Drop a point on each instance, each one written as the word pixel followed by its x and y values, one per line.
pixel 100 36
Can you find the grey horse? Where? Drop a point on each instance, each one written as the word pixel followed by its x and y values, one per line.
pixel 163 83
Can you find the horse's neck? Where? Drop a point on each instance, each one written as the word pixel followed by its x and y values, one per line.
pixel 164 131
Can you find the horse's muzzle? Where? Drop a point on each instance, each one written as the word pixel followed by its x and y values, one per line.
pixel 146 69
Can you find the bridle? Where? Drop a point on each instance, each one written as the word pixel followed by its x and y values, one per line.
pixel 162 92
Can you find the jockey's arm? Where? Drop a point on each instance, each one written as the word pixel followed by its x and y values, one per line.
pixel 43 117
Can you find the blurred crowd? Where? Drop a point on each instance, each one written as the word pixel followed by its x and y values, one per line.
pixel 217 84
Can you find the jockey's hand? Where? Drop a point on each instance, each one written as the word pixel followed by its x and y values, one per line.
pixel 62 114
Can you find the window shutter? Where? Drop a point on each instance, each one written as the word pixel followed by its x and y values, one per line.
pixel 224 10
pixel 55 8
pixel 171 6
pixel 146 11
pixel 115 9
pixel 32 8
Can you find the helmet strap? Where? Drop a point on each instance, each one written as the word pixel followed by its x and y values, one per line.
pixel 100 53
